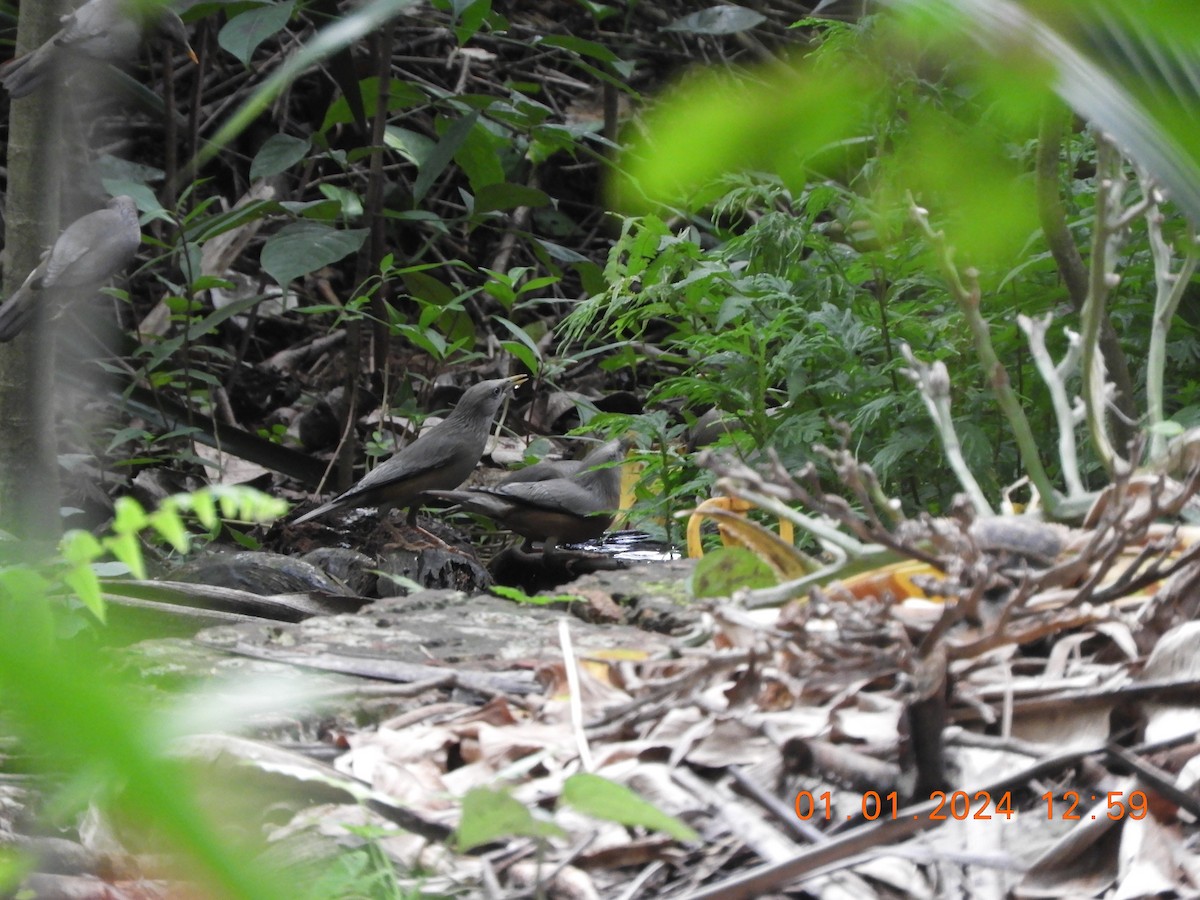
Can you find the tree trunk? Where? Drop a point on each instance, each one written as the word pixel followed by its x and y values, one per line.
pixel 29 488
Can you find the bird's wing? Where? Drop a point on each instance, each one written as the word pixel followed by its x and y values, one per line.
pixel 103 29
pixel 557 495
pixel 91 250
pixel 476 500
pixel 406 463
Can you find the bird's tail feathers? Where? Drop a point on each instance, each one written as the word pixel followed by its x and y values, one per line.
pixel 23 75
pixel 16 312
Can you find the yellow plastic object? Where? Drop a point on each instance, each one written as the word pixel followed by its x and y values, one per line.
pixel 631 473
pixel 895 579
pixel 777 550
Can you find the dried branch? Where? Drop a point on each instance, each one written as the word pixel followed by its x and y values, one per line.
pixel 933 383
pixel 1055 377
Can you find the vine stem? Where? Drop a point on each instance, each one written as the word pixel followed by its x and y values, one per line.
pixel 967 295
pixel 1169 288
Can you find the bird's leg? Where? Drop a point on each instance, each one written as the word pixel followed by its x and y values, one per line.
pixel 410 520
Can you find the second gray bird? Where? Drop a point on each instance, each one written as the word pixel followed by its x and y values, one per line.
pixel 567 510
pixel 439 460
pixel 90 251
pixel 109 31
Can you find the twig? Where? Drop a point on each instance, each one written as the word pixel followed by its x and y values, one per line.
pixel 1055 377
pixel 933 383
pixel 1169 288
pixel 1107 237
pixel 570 666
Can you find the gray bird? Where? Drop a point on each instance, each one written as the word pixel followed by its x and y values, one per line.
pixel 108 31
pixel 558 510
pixel 88 253
pixel 439 460
pixel 543 470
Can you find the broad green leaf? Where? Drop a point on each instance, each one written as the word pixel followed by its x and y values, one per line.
pixel 982 199
pixel 303 247
pixel 582 46
pixel 83 582
pixel 470 14
pixel 489 815
pixel 142 194
pixel 350 203
pixel 427 288
pixel 169 524
pixel 277 154
pixel 534 355
pixel 505 195
pixel 729 569
pixel 442 154
pixel 221 222
pixel 479 157
pixel 412 145
pixel 128 550
pixel 604 799
pixel 204 507
pixel 79 549
pixel 242 34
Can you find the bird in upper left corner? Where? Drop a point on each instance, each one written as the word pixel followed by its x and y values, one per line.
pixel 108 31
pixel 89 252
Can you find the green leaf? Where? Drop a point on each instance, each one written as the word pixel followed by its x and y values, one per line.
pixel 713 124
pixel 80 549
pixel 519 596
pixel 579 45
pixel 143 195
pixel 488 815
pixel 524 339
pixel 479 158
pixel 470 14
pixel 350 203
pixel 412 145
pixel 401 95
pixel 243 33
pixel 604 799
pixel 729 569
pixel 129 517
pixel 169 524
pixel 83 582
pixel 442 154
pixel 505 195
pixel 126 548
pixel 278 153
pixel 303 247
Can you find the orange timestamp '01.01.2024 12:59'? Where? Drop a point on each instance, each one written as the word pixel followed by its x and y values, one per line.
pixel 961 805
